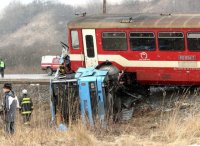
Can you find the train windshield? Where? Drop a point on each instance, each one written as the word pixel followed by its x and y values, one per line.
pixel 75 40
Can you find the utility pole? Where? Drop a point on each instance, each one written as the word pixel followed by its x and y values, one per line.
pixel 174 5
pixel 104 6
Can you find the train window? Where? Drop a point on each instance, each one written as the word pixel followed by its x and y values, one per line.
pixel 140 41
pixel 75 40
pixel 114 41
pixel 171 41
pixel 90 46
pixel 193 39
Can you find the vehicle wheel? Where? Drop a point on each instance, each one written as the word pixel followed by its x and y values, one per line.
pixel 49 71
pixel 113 71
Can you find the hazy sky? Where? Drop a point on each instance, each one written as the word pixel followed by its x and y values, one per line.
pixel 4 3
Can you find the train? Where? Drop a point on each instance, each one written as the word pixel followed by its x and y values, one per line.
pixel 148 49
pixel 134 52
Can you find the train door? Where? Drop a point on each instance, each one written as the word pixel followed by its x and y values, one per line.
pixel 90 47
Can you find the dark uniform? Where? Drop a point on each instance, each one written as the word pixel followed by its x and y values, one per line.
pixel 67 64
pixel 26 108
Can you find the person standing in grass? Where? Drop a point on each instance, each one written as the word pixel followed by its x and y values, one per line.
pixel 9 106
pixel 2 67
pixel 25 107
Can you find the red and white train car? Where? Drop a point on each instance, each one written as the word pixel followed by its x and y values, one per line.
pixel 154 49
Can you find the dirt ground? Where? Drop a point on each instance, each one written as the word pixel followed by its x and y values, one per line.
pixel 162 101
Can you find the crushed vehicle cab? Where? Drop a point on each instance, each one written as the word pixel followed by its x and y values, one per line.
pixel 93 95
pixel 86 92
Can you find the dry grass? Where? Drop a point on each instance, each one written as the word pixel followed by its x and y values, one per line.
pixel 174 130
pixel 180 127
pixel 29 136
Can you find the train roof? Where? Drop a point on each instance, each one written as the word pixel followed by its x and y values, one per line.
pixel 137 21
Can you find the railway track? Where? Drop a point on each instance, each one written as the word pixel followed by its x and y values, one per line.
pixel 26 79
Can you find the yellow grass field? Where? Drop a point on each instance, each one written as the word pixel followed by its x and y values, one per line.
pixel 179 126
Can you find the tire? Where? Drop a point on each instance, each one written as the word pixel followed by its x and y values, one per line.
pixel 49 71
pixel 113 71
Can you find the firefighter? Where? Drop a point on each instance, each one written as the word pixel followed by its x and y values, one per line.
pixel 62 70
pixel 25 107
pixel 9 108
pixel 2 67
pixel 67 65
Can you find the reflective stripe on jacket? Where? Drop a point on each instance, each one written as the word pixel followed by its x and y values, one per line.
pixel 26 105
pixel 2 64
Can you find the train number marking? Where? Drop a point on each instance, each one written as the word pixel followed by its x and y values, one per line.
pixel 187 64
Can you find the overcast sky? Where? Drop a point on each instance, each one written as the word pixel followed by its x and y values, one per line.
pixel 4 3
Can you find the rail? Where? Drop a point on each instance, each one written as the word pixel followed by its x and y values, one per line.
pixel 26 79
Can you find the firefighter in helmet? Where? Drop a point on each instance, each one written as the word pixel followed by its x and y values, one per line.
pixel 62 70
pixel 26 107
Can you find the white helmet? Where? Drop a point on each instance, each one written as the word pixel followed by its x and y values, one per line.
pixel 24 91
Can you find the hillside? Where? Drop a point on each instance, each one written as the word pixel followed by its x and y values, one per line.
pixel 39 35
pixel 156 6
pixel 29 31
